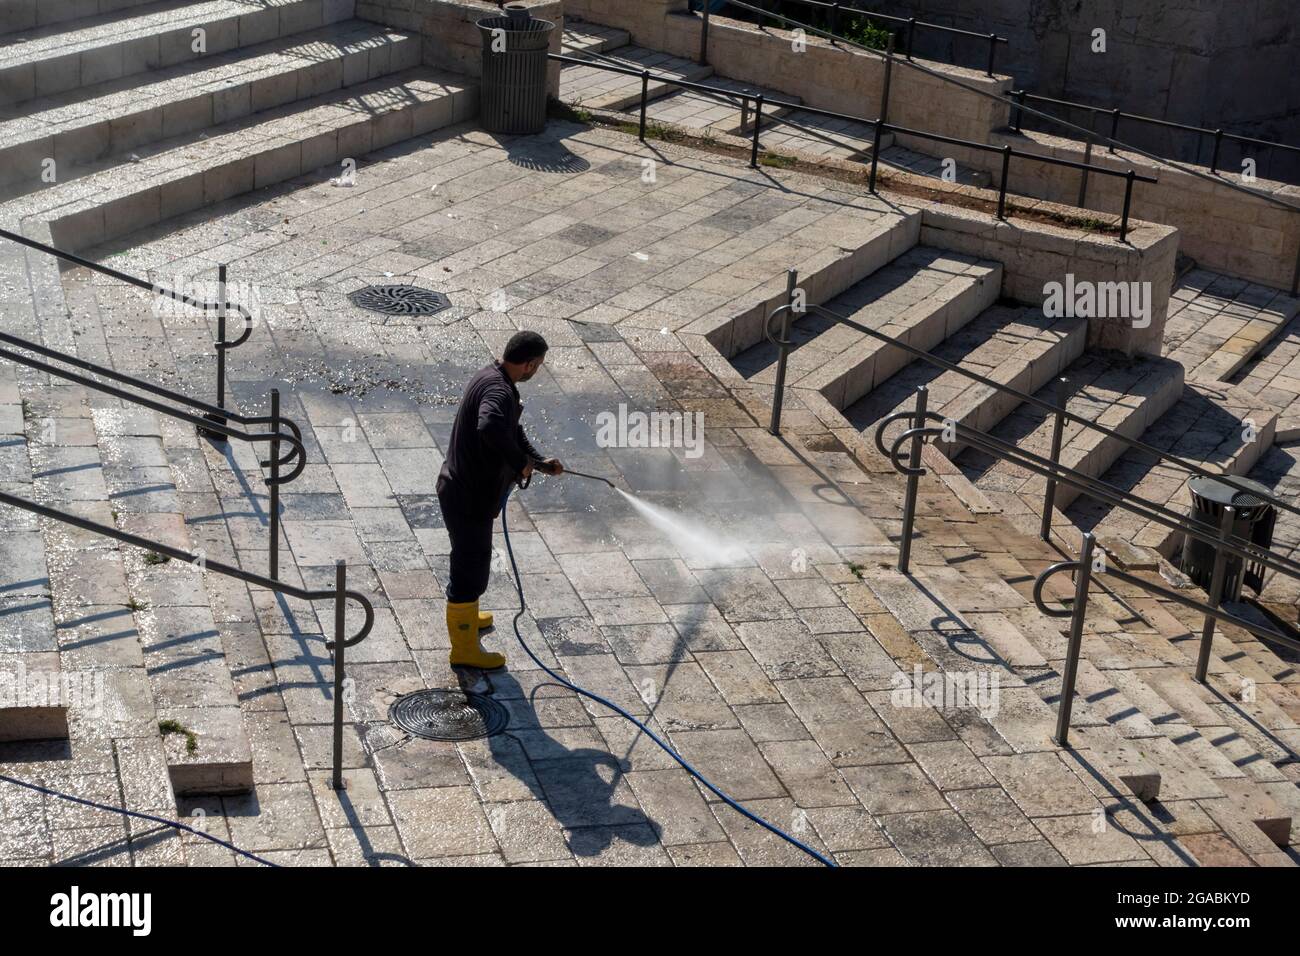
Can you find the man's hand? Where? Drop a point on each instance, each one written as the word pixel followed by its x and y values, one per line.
pixel 551 466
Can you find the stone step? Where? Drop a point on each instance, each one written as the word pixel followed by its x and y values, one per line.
pixel 19 16
pixel 923 164
pixel 969 643
pixel 1167 740
pixel 60 58
pixel 825 137
pixel 920 298
pixel 1136 676
pixel 31 706
pixel 707 114
pixel 583 37
pixel 1273 374
pixel 1124 395
pixel 122 115
pixel 594 88
pixel 1016 347
pixel 1217 323
pixel 180 175
pixel 876 236
pixel 1218 426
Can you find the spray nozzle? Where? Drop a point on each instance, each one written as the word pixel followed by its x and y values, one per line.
pixel 579 474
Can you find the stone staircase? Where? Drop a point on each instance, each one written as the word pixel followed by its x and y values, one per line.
pixel 1199 774
pixel 279 90
pixel 809 133
pixel 111 122
pixel 1235 339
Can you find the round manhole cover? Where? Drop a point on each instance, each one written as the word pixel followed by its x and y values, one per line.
pixel 399 300
pixel 448 715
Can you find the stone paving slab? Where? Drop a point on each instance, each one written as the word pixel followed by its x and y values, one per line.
pixel 594 88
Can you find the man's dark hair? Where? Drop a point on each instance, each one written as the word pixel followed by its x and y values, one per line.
pixel 524 347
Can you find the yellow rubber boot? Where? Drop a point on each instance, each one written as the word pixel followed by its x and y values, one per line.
pixel 462 628
pixel 484 620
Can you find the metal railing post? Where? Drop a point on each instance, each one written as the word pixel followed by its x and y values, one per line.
pixel 883 115
pixel 1081 582
pixel 704 33
pixel 1114 127
pixel 221 336
pixel 783 353
pixel 911 29
pixel 1295 276
pixel 835 22
pixel 1218 142
pixel 274 485
pixel 758 122
pixel 1058 429
pixel 1019 111
pixel 221 359
pixel 993 50
pixel 1002 189
pixel 340 646
pixel 1128 205
pixel 645 96
pixel 1215 594
pixel 1083 184
pixel 913 480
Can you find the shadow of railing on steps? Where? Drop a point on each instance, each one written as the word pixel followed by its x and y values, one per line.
pixel 339 594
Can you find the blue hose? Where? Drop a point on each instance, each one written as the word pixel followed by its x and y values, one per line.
pixel 523 607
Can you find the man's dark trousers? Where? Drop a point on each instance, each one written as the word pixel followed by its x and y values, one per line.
pixel 471 550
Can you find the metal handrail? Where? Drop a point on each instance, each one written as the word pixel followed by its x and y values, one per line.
pixel 220 306
pixel 1063 415
pixel 1063 474
pixel 743 99
pixel 340 594
pixel 1085 567
pixel 1020 96
pixel 209 424
pixel 837 10
pixel 1087 134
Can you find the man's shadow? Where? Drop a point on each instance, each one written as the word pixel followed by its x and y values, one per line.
pixel 580 786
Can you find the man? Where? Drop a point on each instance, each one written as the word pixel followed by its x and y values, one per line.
pixel 488 451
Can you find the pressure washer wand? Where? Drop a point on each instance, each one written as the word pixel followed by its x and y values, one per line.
pixel 579 474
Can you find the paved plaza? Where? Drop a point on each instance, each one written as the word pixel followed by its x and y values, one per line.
pixel 771 665
pixel 736 590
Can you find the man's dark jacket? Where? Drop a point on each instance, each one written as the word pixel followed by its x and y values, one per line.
pixel 488 448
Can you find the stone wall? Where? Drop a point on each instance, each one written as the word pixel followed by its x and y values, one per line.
pixel 451 39
pixel 1202 62
pixel 825 76
pixel 1220 228
pixel 1036 253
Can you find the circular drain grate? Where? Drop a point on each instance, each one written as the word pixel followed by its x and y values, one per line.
pixel 448 715
pixel 399 300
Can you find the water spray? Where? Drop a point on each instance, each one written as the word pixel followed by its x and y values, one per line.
pixel 667 748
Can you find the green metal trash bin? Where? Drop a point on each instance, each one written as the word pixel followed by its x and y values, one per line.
pixel 512 97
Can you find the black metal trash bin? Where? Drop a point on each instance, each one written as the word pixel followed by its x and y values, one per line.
pixel 1253 522
pixel 512 97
